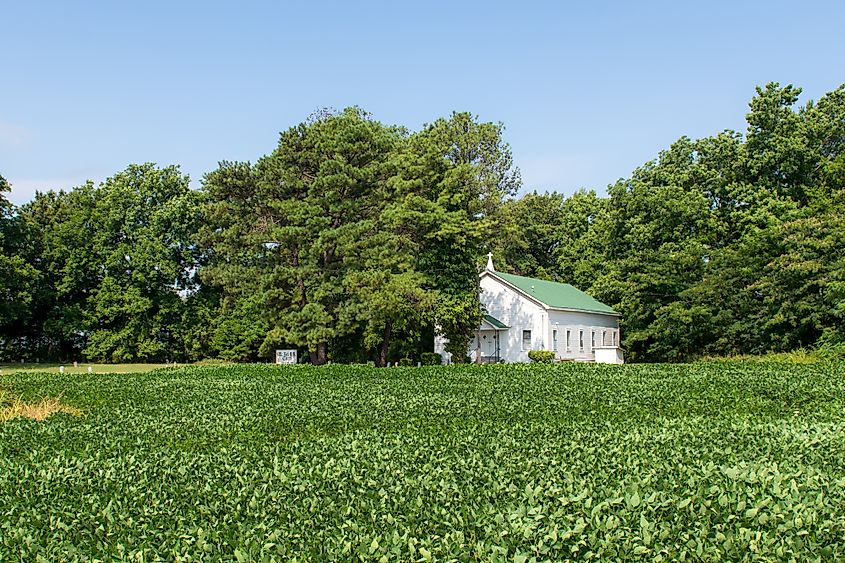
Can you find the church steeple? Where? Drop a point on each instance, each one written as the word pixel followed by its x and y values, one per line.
pixel 490 267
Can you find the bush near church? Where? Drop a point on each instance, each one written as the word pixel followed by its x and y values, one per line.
pixel 431 359
pixel 541 356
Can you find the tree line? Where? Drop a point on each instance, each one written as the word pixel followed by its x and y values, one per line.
pixel 353 239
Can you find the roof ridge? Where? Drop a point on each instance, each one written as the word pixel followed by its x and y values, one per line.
pixel 536 279
pixel 554 294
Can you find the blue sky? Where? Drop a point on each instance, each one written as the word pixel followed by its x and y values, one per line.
pixel 587 91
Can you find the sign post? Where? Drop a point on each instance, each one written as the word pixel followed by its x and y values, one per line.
pixel 285 357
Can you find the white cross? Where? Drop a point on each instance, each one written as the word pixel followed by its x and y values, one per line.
pixel 490 262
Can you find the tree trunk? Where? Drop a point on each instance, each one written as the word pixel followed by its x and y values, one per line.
pixel 385 344
pixel 321 355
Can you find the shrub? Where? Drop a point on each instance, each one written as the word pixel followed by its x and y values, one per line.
pixel 830 346
pixel 406 362
pixel 431 359
pixel 541 356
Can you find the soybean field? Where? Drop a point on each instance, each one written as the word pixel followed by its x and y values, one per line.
pixel 700 462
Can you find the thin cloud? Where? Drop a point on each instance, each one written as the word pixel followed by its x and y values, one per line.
pixel 23 189
pixel 563 173
pixel 14 135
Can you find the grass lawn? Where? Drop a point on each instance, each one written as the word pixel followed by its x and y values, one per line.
pixel 82 368
pixel 706 462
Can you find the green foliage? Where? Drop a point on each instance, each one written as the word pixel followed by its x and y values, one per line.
pixel 240 329
pixel 354 234
pixel 431 359
pixel 727 245
pixel 831 346
pixel 799 356
pixel 307 234
pixel 143 219
pixel 541 356
pixel 454 175
pixel 59 227
pixel 18 277
pixel 713 462
pixel 356 241
pixel 550 236
pixel 406 362
pixel 116 267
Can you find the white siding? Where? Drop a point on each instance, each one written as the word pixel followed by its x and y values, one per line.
pixel 610 355
pixel 439 344
pixel 577 322
pixel 521 313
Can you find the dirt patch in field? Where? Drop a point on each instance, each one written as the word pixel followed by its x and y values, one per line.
pixel 12 407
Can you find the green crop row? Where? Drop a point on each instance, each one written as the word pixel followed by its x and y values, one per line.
pixel 709 462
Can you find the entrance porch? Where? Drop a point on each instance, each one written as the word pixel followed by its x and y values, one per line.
pixel 487 347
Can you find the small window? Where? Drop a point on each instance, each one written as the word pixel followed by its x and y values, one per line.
pixel 568 341
pixel 581 340
pixel 613 334
pixel 526 339
pixel 593 340
pixel 604 338
pixel 554 340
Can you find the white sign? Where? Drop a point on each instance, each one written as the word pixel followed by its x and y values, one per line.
pixel 285 356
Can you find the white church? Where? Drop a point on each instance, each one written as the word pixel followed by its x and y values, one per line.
pixel 523 314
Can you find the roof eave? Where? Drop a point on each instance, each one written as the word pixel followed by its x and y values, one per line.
pixel 515 288
pixel 571 310
pixel 542 304
pixel 497 325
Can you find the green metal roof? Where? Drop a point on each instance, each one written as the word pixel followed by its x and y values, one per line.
pixel 496 323
pixel 556 295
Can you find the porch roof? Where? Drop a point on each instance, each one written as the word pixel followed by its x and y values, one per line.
pixel 494 322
